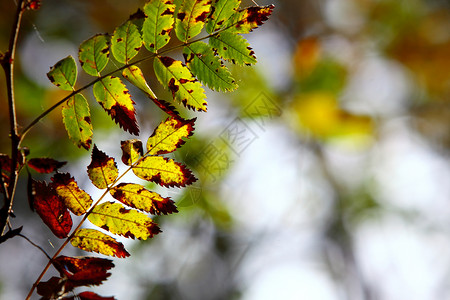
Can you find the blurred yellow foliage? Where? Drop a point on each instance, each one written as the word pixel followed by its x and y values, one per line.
pixel 318 113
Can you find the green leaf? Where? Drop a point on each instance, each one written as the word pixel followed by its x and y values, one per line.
pixel 135 76
pixel 95 241
pixel 136 196
pixel 102 170
pixel 118 220
pixel 190 18
pixel 168 136
pixel 115 99
pixel 64 73
pixel 158 24
pixel 163 171
pixel 249 18
pixel 126 42
pixel 221 11
pixel 132 150
pixel 77 200
pixel 77 121
pixel 233 47
pixel 184 87
pixel 208 68
pixel 94 54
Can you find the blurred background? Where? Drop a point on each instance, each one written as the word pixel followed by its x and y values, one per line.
pixel 324 176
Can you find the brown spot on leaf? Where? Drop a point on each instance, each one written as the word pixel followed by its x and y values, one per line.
pixel 168 11
pixel 167 61
pixel 172 86
pixel 202 17
pixel 181 16
pixel 183 80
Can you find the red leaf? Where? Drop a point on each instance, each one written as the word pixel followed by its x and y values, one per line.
pixel 90 296
pixel 52 288
pixel 51 209
pixel 83 271
pixel 45 165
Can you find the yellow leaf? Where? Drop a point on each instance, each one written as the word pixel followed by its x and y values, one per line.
pixel 168 136
pixel 118 220
pixel 102 170
pixel 95 241
pixel 136 196
pixel 163 171
pixel 77 200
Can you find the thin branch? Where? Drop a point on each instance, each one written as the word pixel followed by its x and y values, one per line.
pixel 35 245
pixel 8 62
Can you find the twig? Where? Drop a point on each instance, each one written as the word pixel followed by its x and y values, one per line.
pixel 8 66
pixel 35 245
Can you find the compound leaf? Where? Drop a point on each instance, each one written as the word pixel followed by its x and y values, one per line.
pixel 136 196
pixel 76 200
pixel 132 150
pixel 158 24
pixel 115 99
pixel 125 222
pixel 163 171
pixel 168 136
pixel 126 42
pixel 51 209
pixel 64 73
pixel 94 54
pixel 249 18
pixel 95 241
pixel 208 68
pixel 184 87
pixel 190 18
pixel 221 11
pixel 45 165
pixel 102 170
pixel 77 121
pixel 233 47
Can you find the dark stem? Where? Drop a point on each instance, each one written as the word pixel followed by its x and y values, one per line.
pixel 35 245
pixel 8 67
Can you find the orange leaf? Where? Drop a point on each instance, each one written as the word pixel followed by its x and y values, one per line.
pixel 136 196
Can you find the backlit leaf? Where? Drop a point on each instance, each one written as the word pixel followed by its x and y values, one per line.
pixel 249 18
pixel 158 23
pixel 94 54
pixel 45 165
pixel 95 241
pixel 77 121
pixel 168 136
pixel 84 271
pixel 126 42
pixel 208 68
pixel 102 170
pixel 115 99
pixel 64 73
pixel 132 150
pixel 190 18
pixel 134 75
pixel 184 87
pixel 163 171
pixel 51 209
pixel 233 47
pixel 77 200
pixel 221 11
pixel 136 196
pixel 125 222
pixel 51 288
pixel 91 296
